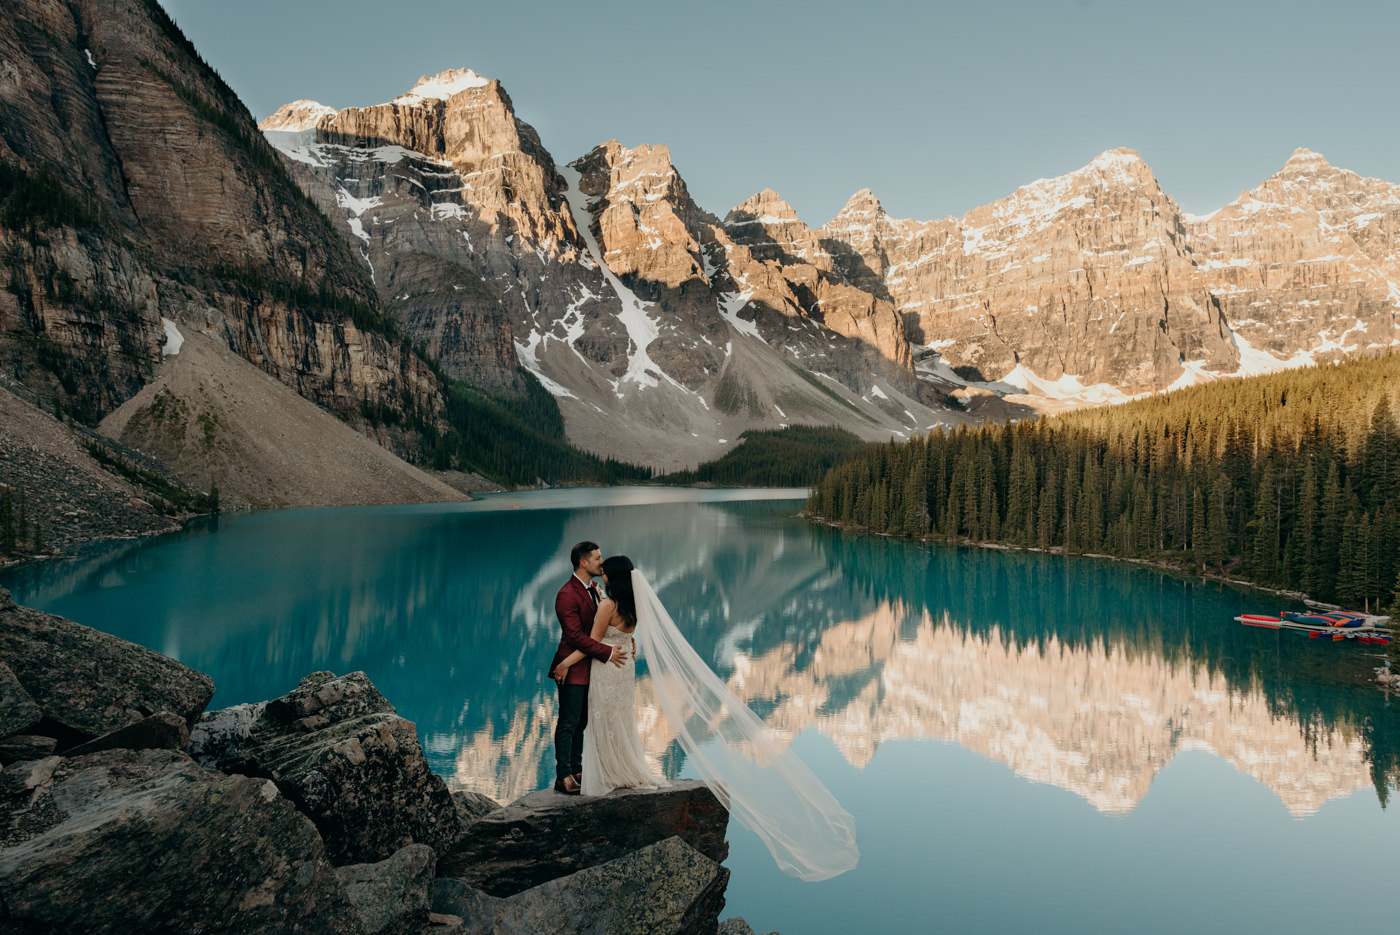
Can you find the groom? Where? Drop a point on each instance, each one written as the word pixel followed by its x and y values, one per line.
pixel 575 605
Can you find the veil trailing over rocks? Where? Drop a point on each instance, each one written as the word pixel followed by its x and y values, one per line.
pixel 745 763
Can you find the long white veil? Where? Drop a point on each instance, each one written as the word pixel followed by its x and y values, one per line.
pixel 747 766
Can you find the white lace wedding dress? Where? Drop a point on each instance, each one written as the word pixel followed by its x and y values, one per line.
pixel 612 749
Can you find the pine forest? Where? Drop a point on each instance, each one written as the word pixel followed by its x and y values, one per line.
pixel 1290 480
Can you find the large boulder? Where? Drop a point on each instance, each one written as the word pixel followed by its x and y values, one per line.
pixel 161 731
pixel 337 749
pixel 666 888
pixel 393 895
pixel 546 835
pixel 19 747
pixel 17 709
pixel 148 841
pixel 737 926
pixel 472 805
pixel 87 683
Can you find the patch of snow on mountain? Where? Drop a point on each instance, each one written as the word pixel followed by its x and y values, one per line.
pixel 356 207
pixel 525 353
pixel 442 86
pixel 1224 264
pixel 173 339
pixel 442 210
pixel 1067 387
pixel 297 116
pixel 929 364
pixel 729 306
pixel 633 314
pixel 299 145
pixel 1256 361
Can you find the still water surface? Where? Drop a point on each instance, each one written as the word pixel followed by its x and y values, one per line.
pixel 1028 743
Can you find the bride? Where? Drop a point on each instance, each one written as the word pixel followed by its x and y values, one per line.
pixel 750 769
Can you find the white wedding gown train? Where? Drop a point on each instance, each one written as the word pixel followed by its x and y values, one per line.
pixel 750 767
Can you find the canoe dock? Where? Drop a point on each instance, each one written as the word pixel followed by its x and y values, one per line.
pixel 1339 625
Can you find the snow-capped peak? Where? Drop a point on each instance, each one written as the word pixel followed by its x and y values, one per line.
pixel 442 86
pixel 1306 157
pixel 297 116
pixel 765 207
pixel 1121 158
pixel 862 203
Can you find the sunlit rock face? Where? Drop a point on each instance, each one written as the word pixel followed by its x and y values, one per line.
pixel 1098 721
pixel 1095 279
pixel 642 312
pixel 1306 265
pixel 602 278
pixel 171 208
pixel 1088 275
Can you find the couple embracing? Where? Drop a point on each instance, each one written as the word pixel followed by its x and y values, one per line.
pixel 749 767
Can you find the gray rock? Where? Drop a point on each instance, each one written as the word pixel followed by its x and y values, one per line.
pixel 25 747
pixel 161 731
pixel 148 841
pixel 545 835
pixel 392 896
pixel 439 924
pixel 89 683
pixel 17 709
pixel 737 926
pixel 217 736
pixel 338 750
pixel 453 899
pixel 667 888
pixel 472 805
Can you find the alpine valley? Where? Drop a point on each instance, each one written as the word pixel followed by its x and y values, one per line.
pixel 255 311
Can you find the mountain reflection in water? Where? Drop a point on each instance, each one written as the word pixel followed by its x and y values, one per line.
pixel 1087 675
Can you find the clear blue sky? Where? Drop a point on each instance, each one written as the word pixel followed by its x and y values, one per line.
pixel 936 107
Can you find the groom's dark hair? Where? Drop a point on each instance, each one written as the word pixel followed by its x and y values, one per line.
pixel 577 553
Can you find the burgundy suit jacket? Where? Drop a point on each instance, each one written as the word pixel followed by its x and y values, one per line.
pixel 574 607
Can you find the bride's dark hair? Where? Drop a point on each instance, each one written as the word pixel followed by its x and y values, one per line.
pixel 618 568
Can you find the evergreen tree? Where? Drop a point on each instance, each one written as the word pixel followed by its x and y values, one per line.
pixel 1265 556
pixel 1259 474
pixel 1200 538
pixel 1217 523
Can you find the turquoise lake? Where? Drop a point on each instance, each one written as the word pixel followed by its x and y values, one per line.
pixel 1028 743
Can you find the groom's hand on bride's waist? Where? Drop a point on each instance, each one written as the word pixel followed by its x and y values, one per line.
pixel 618 657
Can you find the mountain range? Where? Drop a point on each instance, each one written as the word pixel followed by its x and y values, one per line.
pixel 370 259
pixel 653 321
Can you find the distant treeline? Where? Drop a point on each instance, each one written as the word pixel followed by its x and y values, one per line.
pixel 796 456
pixel 1290 480
pixel 17 533
pixel 515 441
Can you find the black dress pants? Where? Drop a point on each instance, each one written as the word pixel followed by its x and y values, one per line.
pixel 568 732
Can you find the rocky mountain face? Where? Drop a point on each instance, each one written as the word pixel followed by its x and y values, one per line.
pixel 1307 265
pixel 1097 278
pixel 138 199
pixel 658 331
pixel 652 320
pixel 136 188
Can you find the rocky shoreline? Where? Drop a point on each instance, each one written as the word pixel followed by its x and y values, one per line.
pixel 125 806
